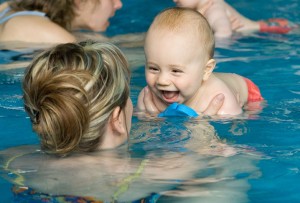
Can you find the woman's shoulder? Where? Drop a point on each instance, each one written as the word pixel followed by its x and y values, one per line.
pixel 37 29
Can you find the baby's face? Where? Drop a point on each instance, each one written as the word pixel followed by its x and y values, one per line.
pixel 174 65
pixel 187 3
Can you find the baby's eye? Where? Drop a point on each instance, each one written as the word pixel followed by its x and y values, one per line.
pixel 152 68
pixel 177 71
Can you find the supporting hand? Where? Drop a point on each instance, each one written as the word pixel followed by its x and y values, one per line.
pixel 203 8
pixel 215 105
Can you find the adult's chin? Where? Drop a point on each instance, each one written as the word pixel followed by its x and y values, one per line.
pixel 101 28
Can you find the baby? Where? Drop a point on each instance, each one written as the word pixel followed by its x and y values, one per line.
pixel 225 20
pixel 179 49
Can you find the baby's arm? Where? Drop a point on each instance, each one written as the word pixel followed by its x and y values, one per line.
pixel 218 19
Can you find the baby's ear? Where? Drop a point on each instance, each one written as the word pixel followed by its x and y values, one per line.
pixel 209 67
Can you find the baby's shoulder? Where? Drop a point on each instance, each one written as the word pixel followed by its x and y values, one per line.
pixel 217 85
pixel 236 84
pixel 212 87
pixel 220 84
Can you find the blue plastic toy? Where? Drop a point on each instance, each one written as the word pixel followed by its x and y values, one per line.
pixel 176 109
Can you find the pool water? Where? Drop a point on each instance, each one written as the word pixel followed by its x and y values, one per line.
pixel 258 159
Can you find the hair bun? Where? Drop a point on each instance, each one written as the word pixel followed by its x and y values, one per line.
pixel 60 111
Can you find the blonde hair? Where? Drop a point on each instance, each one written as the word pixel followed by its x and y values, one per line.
pixel 70 92
pixel 179 19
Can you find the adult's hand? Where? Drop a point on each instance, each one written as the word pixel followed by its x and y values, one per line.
pixel 203 8
pixel 235 23
pixel 215 105
pixel 146 102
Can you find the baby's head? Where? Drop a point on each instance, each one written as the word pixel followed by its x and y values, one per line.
pixel 179 49
pixel 71 91
pixel 186 23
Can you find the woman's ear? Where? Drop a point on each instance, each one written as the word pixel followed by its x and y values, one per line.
pixel 209 67
pixel 115 130
pixel 117 121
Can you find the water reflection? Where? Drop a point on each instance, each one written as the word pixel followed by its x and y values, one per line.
pixel 188 161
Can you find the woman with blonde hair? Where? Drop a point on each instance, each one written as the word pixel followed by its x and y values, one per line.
pixel 77 97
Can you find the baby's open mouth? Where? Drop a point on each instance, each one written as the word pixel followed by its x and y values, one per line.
pixel 170 96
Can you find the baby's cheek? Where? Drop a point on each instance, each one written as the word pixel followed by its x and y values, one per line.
pixel 189 90
pixel 150 79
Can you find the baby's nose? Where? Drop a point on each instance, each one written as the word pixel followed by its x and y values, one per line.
pixel 163 80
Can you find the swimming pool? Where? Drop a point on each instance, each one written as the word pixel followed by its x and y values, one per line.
pixel 262 152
